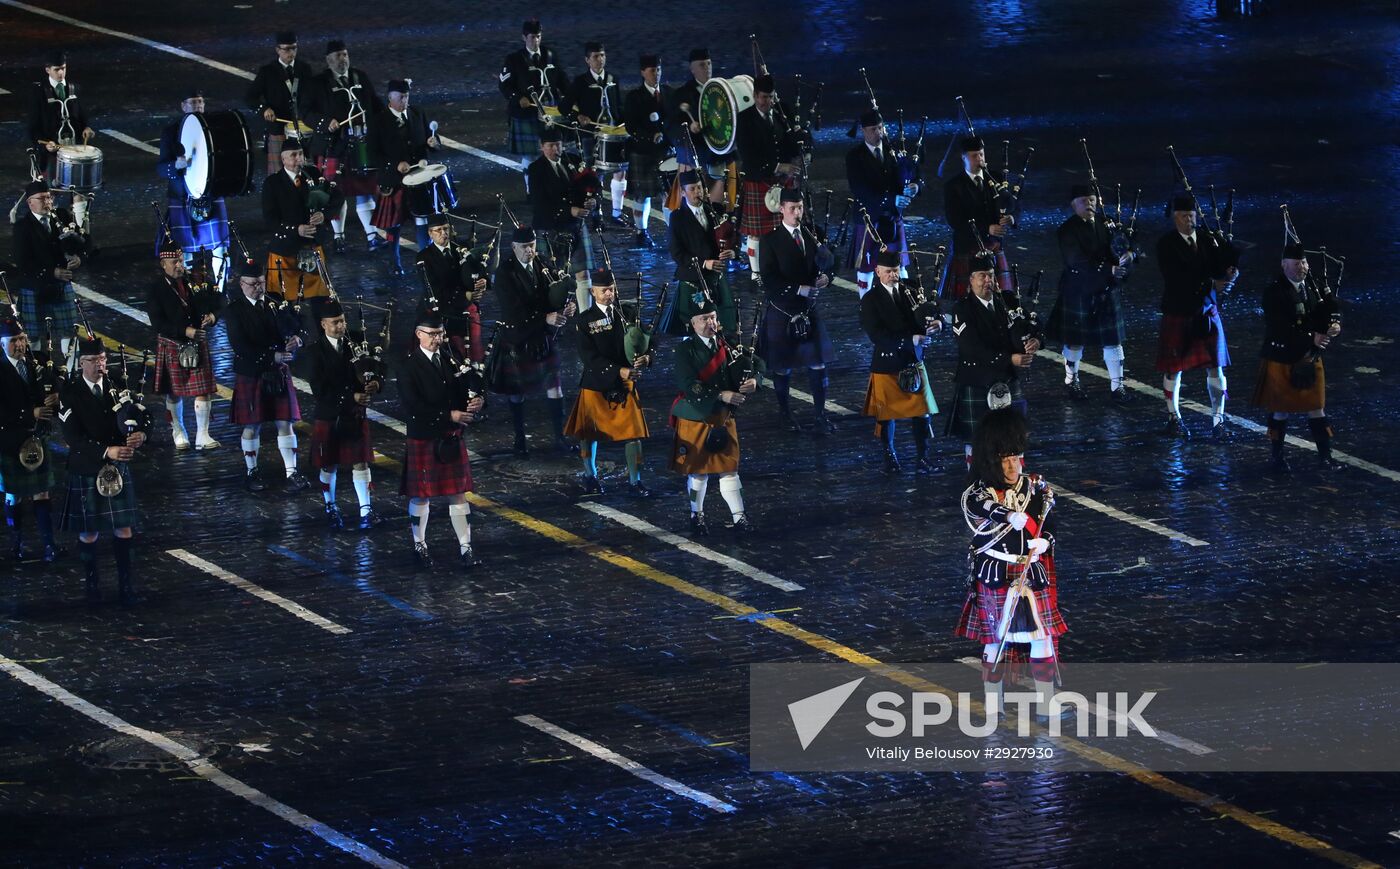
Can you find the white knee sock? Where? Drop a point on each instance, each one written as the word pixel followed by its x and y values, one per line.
pixel 362 488
pixel 338 223
pixel 1171 388
pixel 364 207
pixel 287 446
pixel 418 519
pixel 863 280
pixel 176 408
pixel 645 219
pixel 753 253
pixel 1215 386
pixel 1113 361
pixel 461 523
pixel 733 493
pixel 80 211
pixel 202 408
pixel 250 450
pixel 618 190
pixel 328 485
pixel 1072 356
pixel 696 485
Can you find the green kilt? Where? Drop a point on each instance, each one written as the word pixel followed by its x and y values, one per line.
pixel 85 511
pixel 21 483
pixel 970 405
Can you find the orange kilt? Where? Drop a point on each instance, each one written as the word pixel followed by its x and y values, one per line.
pixel 688 453
pixel 594 418
pixel 282 273
pixel 1276 393
pixel 884 400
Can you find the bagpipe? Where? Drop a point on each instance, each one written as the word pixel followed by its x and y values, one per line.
pixel 797 127
pixel 638 339
pixel 1328 311
pixel 1009 186
pixel 1221 236
pixel 744 357
pixel 1022 306
pixel 467 381
pixel 367 360
pixel 906 158
pixel 724 222
pixel 1122 235
pixel 561 287
pixel 921 307
pixel 45 380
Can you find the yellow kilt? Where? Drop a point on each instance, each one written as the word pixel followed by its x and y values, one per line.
pixel 594 418
pixel 282 273
pixel 1276 393
pixel 884 400
pixel 688 453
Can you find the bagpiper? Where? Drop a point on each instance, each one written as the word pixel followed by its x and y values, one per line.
pixel 878 185
pixel 970 198
pixel 48 245
pixel 691 240
pixel 456 278
pixel 182 318
pixel 296 204
pixel 28 401
pixel 768 152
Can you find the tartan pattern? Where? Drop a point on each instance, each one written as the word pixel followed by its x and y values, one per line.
pixel 644 178
pixel 20 483
pixel 982 608
pixel 754 217
pixel 391 211
pixel 594 418
pixel 958 268
pixel 1180 349
pixel 86 512
pixel 425 477
pixel 970 405
pixel 523 136
pixel 518 372
pixel 688 453
pixel 861 255
pixel 1274 391
pixel 251 407
pixel 32 313
pixel 329 450
pixel 1088 319
pixel 779 351
pixel 273 143
pixel 179 382
pixel 193 235
pixel 350 183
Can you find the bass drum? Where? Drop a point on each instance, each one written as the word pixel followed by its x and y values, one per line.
pixel 721 101
pixel 219 152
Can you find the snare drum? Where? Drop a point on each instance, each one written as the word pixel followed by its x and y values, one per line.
pixel 79 168
pixel 610 149
pixel 422 174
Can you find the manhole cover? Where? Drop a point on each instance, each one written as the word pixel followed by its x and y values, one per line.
pixel 128 752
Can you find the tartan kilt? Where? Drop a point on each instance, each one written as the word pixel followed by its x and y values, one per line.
pixel 179 382
pixel 351 183
pixel 644 177
pixel 594 418
pixel 282 272
pixel 982 608
pixel 1088 312
pixel 970 405
pixel 523 136
pixel 754 217
pixel 517 371
pixel 780 351
pixel 464 334
pixel 958 268
pixel 85 511
pixel 389 210
pixel 195 235
pixel 861 255
pixel 1275 392
pixel 426 477
pixel 32 313
pixel 688 453
pixel 884 400
pixel 250 406
pixel 1181 348
pixel 18 482
pixel 330 450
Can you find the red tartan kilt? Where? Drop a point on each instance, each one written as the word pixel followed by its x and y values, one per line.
pixel 179 382
pixel 250 406
pixel 982 608
pixel 1181 348
pixel 425 477
pixel 350 183
pixel 389 211
pixel 959 268
pixel 329 450
pixel 461 344
pixel 755 218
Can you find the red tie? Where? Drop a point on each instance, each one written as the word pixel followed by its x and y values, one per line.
pixel 797 237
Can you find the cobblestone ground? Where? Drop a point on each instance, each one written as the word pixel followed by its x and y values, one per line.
pixel 400 730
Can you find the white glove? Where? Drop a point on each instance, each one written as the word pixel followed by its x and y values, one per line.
pixel 902 201
pixel 1017 520
pixel 1038 546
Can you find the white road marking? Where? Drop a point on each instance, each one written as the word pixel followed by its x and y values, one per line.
pixel 150 43
pixel 132 141
pixel 257 591
pixel 691 546
pixel 197 764
pixel 1115 513
pixel 631 766
pixel 4 92
pixel 1188 745
pixel 1251 425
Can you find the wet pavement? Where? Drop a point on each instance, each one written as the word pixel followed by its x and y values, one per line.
pixel 384 703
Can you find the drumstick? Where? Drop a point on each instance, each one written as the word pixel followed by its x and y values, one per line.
pixel 353 116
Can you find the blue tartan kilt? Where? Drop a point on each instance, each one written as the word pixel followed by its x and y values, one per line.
pixel 1088 313
pixel 194 235
pixel 861 255
pixel 523 136
pixel 970 405
pixel 87 512
pixel 780 351
pixel 33 312
pixel 19 482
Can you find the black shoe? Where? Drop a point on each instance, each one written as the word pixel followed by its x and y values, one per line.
pixel 1280 465
pixel 789 422
pixel 822 424
pixel 926 467
pixel 51 553
pixel 340 244
pixel 624 219
pixel 1220 434
pixel 1075 391
pixel 742 526
pixel 397 271
pixel 253 482
pixel 698 528
pixel 334 519
pixel 644 240
pixel 421 556
pixel 1121 395
pixel 17 552
pixel 370 521
pixel 1176 428
pixel 892 462
pixel 592 486
pixel 295 483
pixel 375 242
pixel 638 490
pixel 521 448
pixel 467 558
